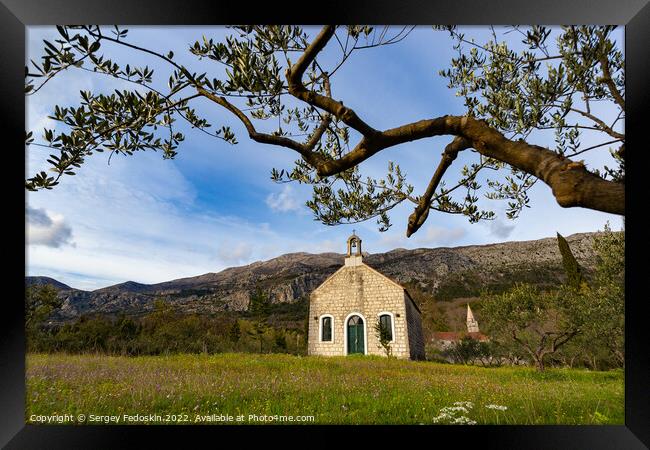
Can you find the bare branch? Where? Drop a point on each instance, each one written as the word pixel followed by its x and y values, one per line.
pixel 297 88
pixel 593 147
pixel 603 126
pixel 309 156
pixel 607 79
pixel 419 216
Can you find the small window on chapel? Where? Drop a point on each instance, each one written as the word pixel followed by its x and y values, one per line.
pixel 385 321
pixel 326 329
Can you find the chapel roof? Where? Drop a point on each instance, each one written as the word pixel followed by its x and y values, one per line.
pixel 377 272
pixel 357 239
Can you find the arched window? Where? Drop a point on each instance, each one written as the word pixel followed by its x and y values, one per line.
pixel 326 334
pixel 386 323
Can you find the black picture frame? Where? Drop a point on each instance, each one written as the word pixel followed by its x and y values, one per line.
pixel 16 15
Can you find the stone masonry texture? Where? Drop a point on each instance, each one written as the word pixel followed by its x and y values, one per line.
pixel 359 289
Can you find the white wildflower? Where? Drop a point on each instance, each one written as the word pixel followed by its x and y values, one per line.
pixel 455 414
pixel 464 404
pixel 497 407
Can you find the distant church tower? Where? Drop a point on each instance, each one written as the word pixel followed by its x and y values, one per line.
pixel 472 324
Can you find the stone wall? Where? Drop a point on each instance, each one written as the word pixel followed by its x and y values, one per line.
pixel 359 289
pixel 415 335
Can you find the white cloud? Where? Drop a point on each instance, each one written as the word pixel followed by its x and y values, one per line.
pixel 440 235
pixel 431 236
pixel 393 240
pixel 283 201
pixel 500 229
pixel 328 246
pixel 136 220
pixel 238 253
pixel 47 229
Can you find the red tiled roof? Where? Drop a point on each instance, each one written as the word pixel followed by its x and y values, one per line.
pixel 446 335
pixel 478 336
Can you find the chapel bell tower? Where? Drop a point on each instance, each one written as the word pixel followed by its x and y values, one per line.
pixel 353 257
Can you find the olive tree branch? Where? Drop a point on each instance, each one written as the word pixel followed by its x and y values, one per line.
pixel 607 79
pixel 419 215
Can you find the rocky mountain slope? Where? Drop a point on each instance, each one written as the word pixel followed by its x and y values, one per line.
pixel 444 273
pixel 39 281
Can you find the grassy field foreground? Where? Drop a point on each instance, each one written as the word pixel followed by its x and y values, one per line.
pixel 256 389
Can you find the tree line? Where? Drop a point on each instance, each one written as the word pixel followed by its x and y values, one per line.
pixel 580 323
pixel 162 331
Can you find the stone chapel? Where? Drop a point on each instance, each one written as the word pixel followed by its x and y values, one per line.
pixel 345 308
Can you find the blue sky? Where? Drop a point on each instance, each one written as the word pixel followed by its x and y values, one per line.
pixel 151 220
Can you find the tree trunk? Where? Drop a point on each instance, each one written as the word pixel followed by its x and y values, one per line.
pixel 620 356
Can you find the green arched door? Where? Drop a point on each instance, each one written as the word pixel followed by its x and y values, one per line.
pixel 355 335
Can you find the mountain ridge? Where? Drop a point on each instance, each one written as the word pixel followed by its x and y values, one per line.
pixel 445 272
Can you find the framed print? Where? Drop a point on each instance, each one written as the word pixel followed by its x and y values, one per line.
pixel 375 283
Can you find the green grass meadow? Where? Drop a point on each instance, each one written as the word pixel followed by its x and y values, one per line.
pixel 188 389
